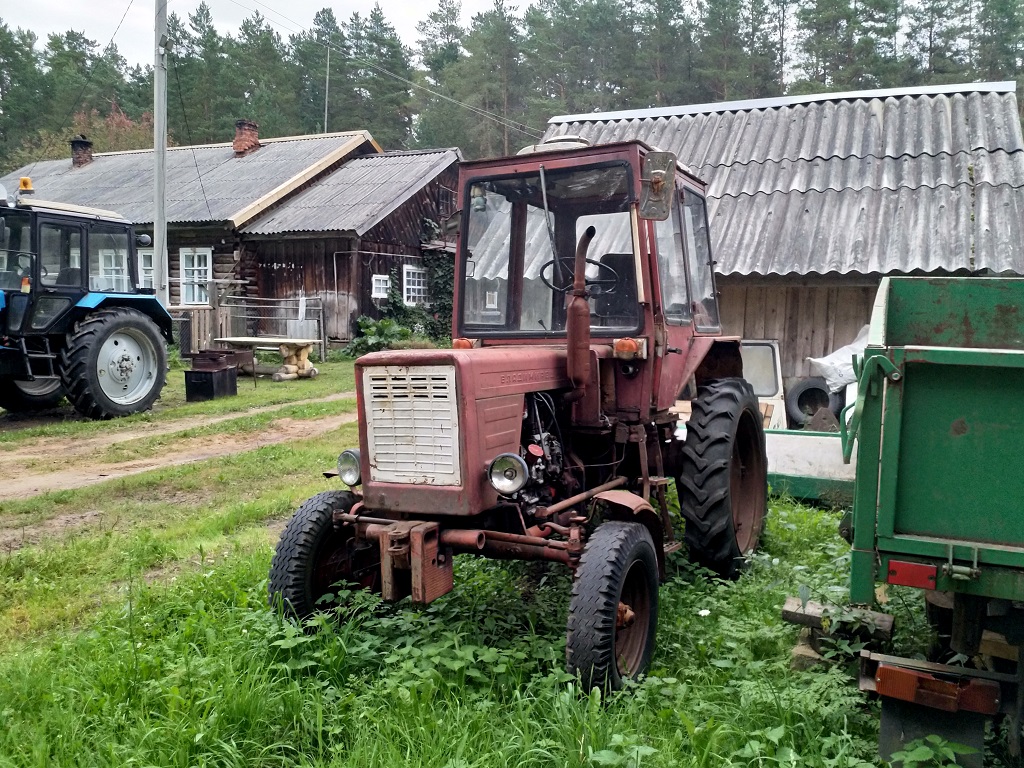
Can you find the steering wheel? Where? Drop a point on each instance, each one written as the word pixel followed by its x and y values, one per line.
pixel 604 285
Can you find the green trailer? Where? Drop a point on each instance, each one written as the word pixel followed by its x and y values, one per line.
pixel 939 493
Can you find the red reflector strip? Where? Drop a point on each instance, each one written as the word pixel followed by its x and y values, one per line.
pixel 912 574
pixel 973 695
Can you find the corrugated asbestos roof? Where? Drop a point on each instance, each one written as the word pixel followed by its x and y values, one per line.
pixel 357 196
pixel 204 183
pixel 871 182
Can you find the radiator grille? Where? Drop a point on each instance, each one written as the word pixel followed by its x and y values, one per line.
pixel 412 424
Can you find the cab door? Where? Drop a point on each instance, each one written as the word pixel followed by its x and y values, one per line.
pixel 687 305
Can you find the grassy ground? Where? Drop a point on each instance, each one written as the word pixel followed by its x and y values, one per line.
pixel 134 631
pixel 333 379
pixel 150 643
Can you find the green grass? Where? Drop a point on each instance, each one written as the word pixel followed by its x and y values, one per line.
pixel 194 669
pixel 334 378
pixel 154 520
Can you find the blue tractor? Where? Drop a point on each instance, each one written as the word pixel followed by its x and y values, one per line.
pixel 74 319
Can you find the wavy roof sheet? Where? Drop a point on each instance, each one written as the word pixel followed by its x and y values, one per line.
pixel 205 183
pixel 357 196
pixel 930 179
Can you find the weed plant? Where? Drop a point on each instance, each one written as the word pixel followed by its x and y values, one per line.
pixel 200 671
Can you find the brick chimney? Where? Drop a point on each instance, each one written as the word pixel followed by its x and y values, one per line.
pixel 81 151
pixel 247 137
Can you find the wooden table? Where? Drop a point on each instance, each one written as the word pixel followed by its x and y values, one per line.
pixel 294 353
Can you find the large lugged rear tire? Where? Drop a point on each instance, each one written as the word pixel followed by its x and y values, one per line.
pixel 723 485
pixel 613 613
pixel 29 396
pixel 114 364
pixel 312 556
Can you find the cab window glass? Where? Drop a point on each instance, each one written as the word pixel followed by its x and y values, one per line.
pixel 672 267
pixel 108 260
pixel 704 305
pixel 60 254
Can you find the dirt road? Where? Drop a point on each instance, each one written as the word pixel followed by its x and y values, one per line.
pixel 53 464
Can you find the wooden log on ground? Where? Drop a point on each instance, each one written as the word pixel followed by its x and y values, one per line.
pixel 285 376
pixel 812 614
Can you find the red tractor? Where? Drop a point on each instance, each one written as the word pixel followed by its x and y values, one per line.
pixel 585 308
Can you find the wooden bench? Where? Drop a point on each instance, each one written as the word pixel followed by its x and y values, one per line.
pixel 294 355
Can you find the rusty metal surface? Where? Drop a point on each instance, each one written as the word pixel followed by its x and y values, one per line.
pixel 357 196
pixel 924 180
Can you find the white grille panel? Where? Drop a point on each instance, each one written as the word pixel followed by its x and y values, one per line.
pixel 412 424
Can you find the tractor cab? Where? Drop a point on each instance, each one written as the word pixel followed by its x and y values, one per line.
pixel 60 263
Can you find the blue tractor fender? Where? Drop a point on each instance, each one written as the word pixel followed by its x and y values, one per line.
pixel 146 304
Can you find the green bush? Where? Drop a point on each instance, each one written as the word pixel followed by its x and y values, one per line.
pixel 375 335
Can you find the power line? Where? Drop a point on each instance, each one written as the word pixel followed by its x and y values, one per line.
pixel 503 121
pixel 188 130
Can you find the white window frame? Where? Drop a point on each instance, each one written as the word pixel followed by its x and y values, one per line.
pixel 146 273
pixel 414 285
pixel 380 286
pixel 114 274
pixel 196 273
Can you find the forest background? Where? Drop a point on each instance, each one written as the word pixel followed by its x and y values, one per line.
pixel 488 87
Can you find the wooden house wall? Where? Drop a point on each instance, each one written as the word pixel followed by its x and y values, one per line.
pixel 807 318
pixel 290 267
pixel 225 264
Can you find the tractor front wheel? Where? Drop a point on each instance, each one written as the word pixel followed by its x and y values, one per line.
pixel 313 555
pixel 723 485
pixel 613 613
pixel 115 363
pixel 28 396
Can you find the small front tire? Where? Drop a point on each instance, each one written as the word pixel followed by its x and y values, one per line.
pixel 613 613
pixel 313 555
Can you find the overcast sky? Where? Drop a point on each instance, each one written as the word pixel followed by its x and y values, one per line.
pixel 98 19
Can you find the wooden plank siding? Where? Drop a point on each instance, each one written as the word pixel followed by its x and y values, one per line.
pixel 808 319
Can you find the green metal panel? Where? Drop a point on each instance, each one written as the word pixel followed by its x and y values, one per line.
pixel 955 312
pixel 940 430
pixel 960 450
pixel 827 491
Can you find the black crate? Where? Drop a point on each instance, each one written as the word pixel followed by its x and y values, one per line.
pixel 207 385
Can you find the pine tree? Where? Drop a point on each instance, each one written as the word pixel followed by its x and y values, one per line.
pixel 315 86
pixel 381 71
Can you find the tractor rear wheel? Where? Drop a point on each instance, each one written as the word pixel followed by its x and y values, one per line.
pixel 28 396
pixel 613 613
pixel 723 483
pixel 115 363
pixel 313 555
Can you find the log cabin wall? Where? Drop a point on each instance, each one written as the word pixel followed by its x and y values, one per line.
pixel 807 318
pixel 289 267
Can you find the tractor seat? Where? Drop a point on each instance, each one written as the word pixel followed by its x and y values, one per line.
pixel 618 309
pixel 69 276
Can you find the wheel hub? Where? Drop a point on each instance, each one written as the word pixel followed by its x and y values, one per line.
pixel 121 367
pixel 624 616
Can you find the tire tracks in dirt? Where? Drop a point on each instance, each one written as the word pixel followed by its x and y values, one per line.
pixel 56 464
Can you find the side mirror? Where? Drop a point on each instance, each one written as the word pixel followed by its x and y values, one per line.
pixel 656 184
pixel 143 240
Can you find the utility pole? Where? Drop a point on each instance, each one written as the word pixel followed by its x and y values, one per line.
pixel 161 278
pixel 327 80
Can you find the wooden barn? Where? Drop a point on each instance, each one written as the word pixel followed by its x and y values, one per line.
pixel 348 237
pixel 812 199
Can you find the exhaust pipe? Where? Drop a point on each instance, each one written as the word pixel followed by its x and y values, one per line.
pixel 577 321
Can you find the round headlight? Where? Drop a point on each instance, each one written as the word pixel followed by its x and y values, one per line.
pixel 348 467
pixel 508 473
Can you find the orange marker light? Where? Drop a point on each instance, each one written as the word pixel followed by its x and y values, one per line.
pixel 26 284
pixel 462 344
pixel 626 349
